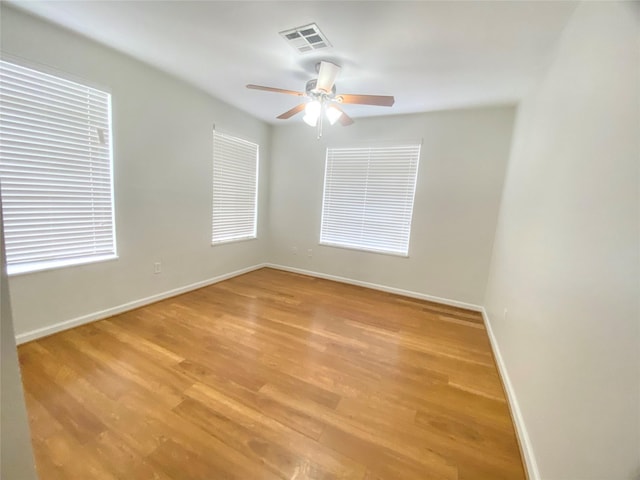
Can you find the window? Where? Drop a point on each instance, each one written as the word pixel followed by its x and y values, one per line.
pixel 368 198
pixel 55 171
pixel 235 189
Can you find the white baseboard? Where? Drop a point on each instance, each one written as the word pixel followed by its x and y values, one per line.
pixel 109 312
pixel 375 286
pixel 521 429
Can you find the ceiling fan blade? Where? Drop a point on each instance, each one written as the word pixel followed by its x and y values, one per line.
pixel 327 76
pixel 345 120
pixel 292 112
pixel 276 90
pixel 379 100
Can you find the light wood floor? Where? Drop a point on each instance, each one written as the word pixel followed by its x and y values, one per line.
pixel 271 375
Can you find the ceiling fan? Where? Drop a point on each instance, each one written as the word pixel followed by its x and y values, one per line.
pixel 324 100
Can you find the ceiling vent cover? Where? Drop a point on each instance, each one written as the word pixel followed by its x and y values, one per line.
pixel 306 39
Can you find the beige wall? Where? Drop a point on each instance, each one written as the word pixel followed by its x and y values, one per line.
pixel 566 260
pixel 162 162
pixel 462 164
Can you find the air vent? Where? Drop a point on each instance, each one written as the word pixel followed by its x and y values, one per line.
pixel 306 39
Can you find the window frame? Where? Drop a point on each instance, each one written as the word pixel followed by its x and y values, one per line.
pixel 229 238
pixel 363 247
pixel 40 74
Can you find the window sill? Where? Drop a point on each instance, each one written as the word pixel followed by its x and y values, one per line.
pixel 232 240
pixel 364 249
pixel 15 270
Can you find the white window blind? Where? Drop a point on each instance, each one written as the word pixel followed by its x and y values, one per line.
pixel 55 170
pixel 368 198
pixel 235 188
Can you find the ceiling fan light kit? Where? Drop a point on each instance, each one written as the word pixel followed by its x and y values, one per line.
pixel 312 111
pixel 323 101
pixel 333 114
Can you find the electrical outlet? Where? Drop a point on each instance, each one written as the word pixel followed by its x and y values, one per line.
pixel 505 314
pixel 157 267
pixel 310 253
pixel 294 250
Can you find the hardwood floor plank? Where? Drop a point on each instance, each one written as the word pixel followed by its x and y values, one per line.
pixel 140 344
pixel 465 431
pixel 280 460
pixel 73 459
pixel 119 360
pixel 382 463
pixel 333 462
pixel 272 375
pixel 77 421
pixel 43 424
pixel 373 430
pixel 182 461
pixel 298 421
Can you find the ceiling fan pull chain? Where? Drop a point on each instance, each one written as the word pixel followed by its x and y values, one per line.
pixel 320 121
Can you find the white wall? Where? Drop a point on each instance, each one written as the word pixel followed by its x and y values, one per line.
pixel 162 163
pixel 566 256
pixel 16 454
pixel 565 260
pixel 456 205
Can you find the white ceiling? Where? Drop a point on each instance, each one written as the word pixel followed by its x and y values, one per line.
pixel 430 55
